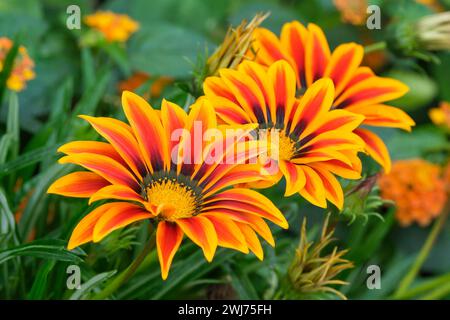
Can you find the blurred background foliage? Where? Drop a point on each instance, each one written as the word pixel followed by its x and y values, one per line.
pixel 74 77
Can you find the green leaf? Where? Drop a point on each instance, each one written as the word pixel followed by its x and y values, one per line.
pixel 241 283
pixel 41 281
pixel 151 51
pixel 91 284
pixel 44 249
pixel 36 203
pixel 26 159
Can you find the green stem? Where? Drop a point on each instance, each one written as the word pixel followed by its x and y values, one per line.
pixel 375 47
pixel 438 293
pixel 125 275
pixel 423 255
pixel 426 286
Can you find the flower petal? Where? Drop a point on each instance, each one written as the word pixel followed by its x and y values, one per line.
pixel 295 177
pixel 381 115
pixel 343 63
pixel 228 234
pixel 376 148
pixel 168 239
pixel 84 230
pixel 293 38
pixel 201 231
pixel 121 138
pixel 116 192
pixel 251 239
pixel 148 130
pixel 118 216
pixel 79 184
pixel 94 147
pixel 317 54
pixel 105 167
pixel 314 190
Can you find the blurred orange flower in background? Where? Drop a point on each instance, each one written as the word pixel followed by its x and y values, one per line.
pixel 115 27
pixel 441 115
pixel 23 65
pixel 417 188
pixel 352 11
pixel 137 79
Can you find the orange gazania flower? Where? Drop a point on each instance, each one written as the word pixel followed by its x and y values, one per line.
pixel 114 27
pixel 358 89
pixel 441 115
pixel 134 169
pixel 22 69
pixel 313 142
pixel 417 189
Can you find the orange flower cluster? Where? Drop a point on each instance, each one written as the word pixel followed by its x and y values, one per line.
pixel 441 115
pixel 22 69
pixel 115 27
pixel 418 190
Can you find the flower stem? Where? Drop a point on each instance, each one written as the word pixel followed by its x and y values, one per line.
pixel 381 45
pixel 423 255
pixel 125 275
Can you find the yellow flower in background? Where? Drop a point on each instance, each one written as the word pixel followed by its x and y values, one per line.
pixel 115 27
pixel 357 88
pixel 441 115
pixel 352 11
pixel 22 69
pixel 418 190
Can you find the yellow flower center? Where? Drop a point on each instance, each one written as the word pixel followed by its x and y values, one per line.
pixel 286 147
pixel 278 141
pixel 172 199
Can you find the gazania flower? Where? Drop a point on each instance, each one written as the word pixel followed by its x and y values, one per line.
pixel 357 88
pixel 441 115
pixel 22 68
pixel 136 171
pixel 114 27
pixel 308 142
pixel 417 189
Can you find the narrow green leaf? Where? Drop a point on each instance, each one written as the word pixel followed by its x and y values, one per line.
pixel 92 284
pixel 41 280
pixel 45 249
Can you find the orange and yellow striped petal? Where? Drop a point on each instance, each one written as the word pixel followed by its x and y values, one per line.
pixel 249 201
pixel 116 192
pixel 105 167
pixel 79 184
pixel 317 54
pixel 119 135
pixel 283 81
pixel 118 216
pixel 84 230
pixel 148 130
pixel 343 63
pixel 93 147
pixel 228 234
pixel 381 115
pixel 293 38
pixel 168 239
pixel 314 191
pixel 251 239
pixel 201 231
pixel 373 90
pixel 376 148
pixel 332 187
pixel 294 175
